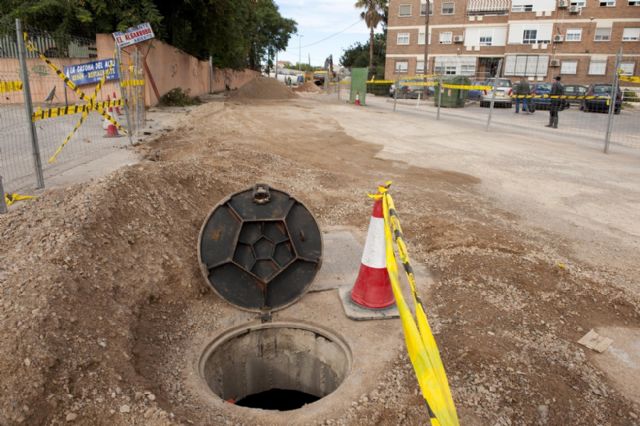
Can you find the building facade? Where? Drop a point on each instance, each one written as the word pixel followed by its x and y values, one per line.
pixel 536 39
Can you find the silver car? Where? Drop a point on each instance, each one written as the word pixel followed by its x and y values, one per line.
pixel 503 93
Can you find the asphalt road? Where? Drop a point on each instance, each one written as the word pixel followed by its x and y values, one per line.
pixel 583 127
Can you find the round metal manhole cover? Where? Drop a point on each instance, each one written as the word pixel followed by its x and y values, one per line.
pixel 260 249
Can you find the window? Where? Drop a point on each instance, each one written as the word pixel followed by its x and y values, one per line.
pixel 569 67
pixel 448 8
pixel 634 2
pixel 421 37
pixel 603 34
pixel 522 8
pixel 446 37
pixel 597 66
pixel 419 67
pixel 608 3
pixel 627 68
pixel 529 36
pixel 526 65
pixel 574 34
pixel 578 3
pixel 404 10
pixel 486 40
pixel 468 69
pixel 403 39
pixel 423 8
pixel 631 34
pixel 402 67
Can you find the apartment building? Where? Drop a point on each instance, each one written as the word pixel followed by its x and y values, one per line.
pixel 537 39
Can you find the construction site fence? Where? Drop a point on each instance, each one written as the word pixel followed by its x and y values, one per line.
pixel 597 120
pixel 48 124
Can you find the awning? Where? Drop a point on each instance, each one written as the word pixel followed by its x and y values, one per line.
pixel 476 6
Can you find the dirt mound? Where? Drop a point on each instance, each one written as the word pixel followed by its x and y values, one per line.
pixel 308 87
pixel 263 88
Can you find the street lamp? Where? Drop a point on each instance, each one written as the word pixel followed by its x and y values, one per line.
pixel 299 51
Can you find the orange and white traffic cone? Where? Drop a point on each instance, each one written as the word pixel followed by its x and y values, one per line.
pixel 357 102
pixel 373 287
pixel 117 108
pixel 112 130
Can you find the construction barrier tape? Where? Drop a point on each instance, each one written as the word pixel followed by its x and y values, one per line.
pixel 43 114
pixel 91 106
pixel 630 78
pixel 10 86
pixel 131 83
pixel 10 199
pixel 421 345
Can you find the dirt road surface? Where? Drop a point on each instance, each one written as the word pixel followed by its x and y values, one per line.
pixel 101 289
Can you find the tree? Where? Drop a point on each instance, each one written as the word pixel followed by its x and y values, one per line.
pixel 373 14
pixel 235 33
pixel 357 55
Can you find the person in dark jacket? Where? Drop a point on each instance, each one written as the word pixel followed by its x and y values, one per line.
pixel 556 90
pixel 522 90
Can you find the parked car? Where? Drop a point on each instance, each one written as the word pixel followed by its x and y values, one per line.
pixel 475 95
pixel 601 103
pixel 575 90
pixel 503 93
pixel 544 89
pixel 411 91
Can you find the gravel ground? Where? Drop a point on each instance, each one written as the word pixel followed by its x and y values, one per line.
pixel 96 278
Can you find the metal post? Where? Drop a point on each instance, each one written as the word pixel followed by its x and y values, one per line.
pixel 395 94
pixel 3 204
pixel 210 71
pixel 419 96
pixel 124 94
pixel 439 97
pixel 493 94
pixel 612 102
pixel 28 106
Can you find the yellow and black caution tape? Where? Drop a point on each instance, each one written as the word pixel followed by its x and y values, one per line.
pixel 91 106
pixel 10 199
pixel 421 345
pixel 43 114
pixel 131 83
pixel 630 78
pixel 10 86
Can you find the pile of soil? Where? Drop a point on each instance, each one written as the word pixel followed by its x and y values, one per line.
pixel 308 87
pixel 263 88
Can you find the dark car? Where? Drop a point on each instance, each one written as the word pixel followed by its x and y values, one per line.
pixel 476 95
pixel 575 90
pixel 601 100
pixel 544 89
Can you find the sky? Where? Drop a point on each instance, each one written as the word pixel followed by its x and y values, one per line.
pixel 317 20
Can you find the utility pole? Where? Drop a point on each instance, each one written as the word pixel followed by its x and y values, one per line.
pixel 426 38
pixel 299 52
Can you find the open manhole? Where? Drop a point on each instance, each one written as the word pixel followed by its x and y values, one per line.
pixel 275 366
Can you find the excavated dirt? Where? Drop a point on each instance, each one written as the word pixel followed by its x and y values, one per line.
pixel 308 87
pixel 263 88
pixel 100 288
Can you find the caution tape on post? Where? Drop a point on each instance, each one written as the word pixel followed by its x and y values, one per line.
pixel 630 78
pixel 92 105
pixel 43 114
pixel 421 345
pixel 131 83
pixel 13 198
pixel 10 86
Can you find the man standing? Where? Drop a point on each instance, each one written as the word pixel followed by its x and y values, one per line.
pixel 522 91
pixel 557 90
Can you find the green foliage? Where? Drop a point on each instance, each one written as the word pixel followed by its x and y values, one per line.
pixel 236 33
pixel 357 55
pixel 374 12
pixel 179 97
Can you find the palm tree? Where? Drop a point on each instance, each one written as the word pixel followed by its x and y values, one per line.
pixel 372 15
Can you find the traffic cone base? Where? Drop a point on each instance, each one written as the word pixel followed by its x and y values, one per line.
pixel 372 288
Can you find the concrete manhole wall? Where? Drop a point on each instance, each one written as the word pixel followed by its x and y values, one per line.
pixel 291 356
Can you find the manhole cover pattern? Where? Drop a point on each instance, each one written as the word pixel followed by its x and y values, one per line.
pixel 260 253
